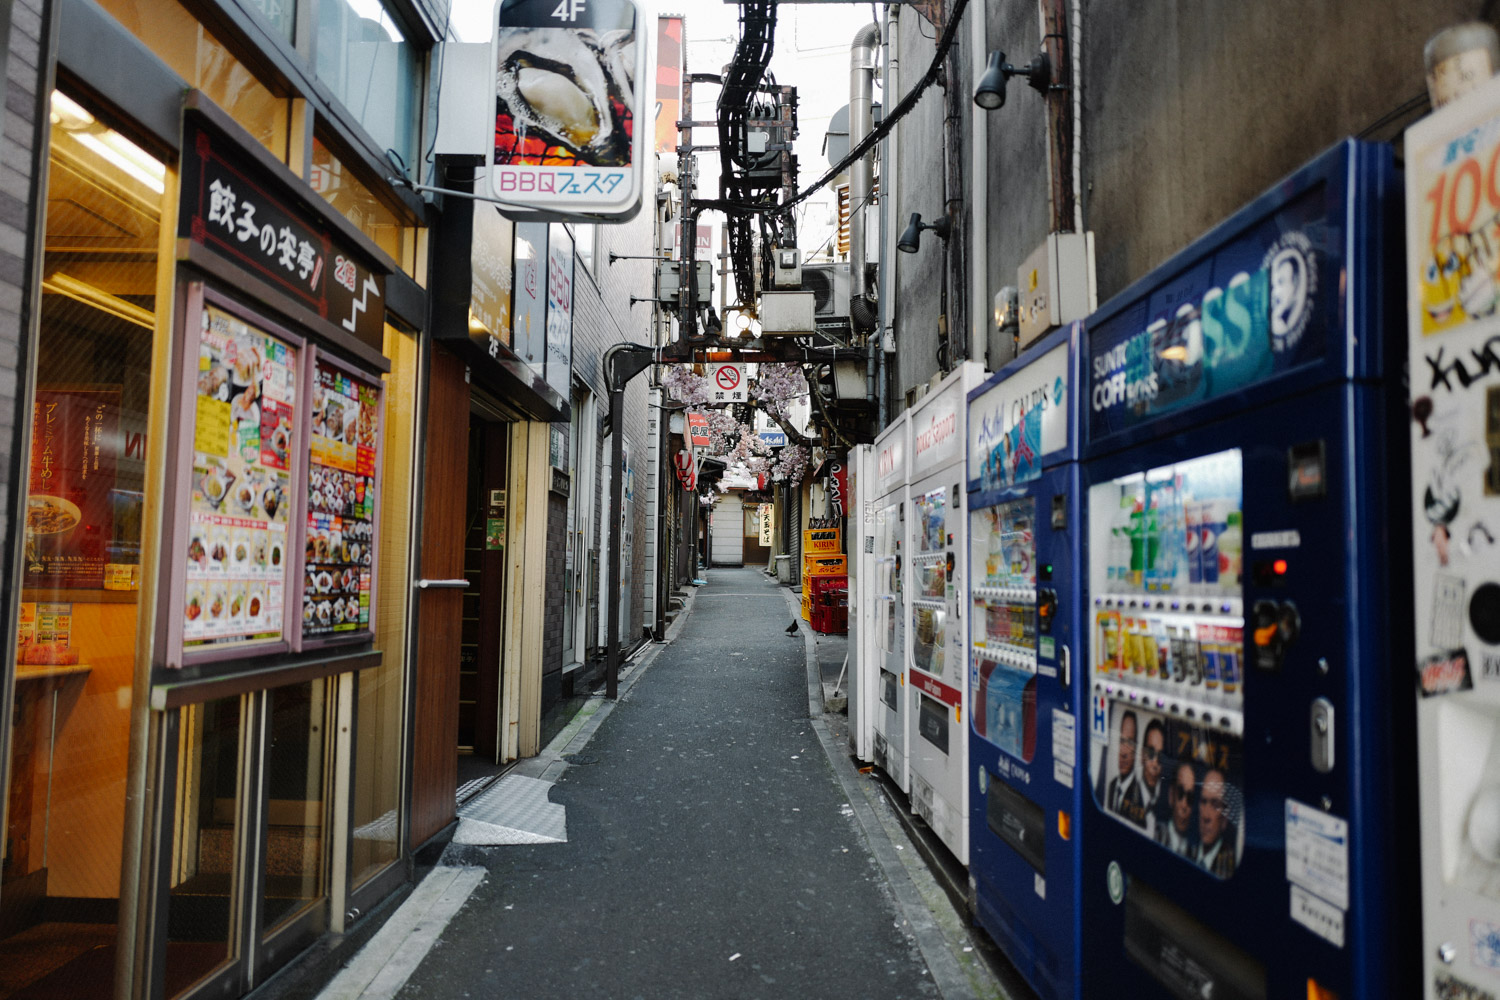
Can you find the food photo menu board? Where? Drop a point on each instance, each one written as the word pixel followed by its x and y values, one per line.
pixel 244 436
pixel 341 485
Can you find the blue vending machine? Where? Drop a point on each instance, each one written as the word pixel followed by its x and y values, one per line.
pixel 1025 778
pixel 1248 830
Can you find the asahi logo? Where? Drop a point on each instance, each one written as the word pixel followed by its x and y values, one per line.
pixel 1293 271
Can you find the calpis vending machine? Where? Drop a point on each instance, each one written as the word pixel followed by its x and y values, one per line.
pixel 1025 778
pixel 1453 331
pixel 886 670
pixel 937 699
pixel 1247 829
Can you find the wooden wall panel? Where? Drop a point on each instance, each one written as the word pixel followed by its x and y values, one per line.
pixel 440 612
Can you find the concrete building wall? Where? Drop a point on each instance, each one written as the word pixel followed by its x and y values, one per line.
pixel 604 316
pixel 917 278
pixel 1189 110
pixel 1193 109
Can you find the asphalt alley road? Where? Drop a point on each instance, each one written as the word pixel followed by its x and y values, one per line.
pixel 712 850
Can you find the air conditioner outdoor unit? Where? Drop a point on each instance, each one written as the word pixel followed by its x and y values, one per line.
pixel 829 284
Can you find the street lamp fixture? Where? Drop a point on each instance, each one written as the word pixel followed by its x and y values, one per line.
pixel 990 94
pixel 911 236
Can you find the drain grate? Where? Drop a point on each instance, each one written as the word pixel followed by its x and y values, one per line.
pixel 580 758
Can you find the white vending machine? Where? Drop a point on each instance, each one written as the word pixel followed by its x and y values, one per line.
pixel 860 533
pixel 937 532
pixel 1452 157
pixel 887 666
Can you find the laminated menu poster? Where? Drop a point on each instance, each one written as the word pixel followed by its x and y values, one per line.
pixel 336 586
pixel 75 439
pixel 243 437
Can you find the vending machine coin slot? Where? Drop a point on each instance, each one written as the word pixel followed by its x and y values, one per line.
pixel 1322 732
pixel 1266 632
pixel 1046 609
pixel 1307 467
pixel 1059 512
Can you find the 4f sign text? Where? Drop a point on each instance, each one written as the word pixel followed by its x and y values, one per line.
pixel 568 10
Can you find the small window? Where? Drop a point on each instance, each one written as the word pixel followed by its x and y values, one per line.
pixel 371 67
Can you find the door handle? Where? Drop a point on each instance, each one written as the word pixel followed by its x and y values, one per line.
pixel 425 584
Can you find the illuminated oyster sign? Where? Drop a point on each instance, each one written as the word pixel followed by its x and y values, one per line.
pixel 570 85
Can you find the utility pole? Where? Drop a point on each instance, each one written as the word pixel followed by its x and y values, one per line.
pixel 622 362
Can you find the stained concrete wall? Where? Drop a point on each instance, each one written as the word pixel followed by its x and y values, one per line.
pixel 1190 109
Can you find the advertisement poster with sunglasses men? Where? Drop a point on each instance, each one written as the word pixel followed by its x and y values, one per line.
pixel 1175 783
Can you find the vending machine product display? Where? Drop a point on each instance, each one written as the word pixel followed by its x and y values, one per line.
pixel 1453 349
pixel 1247 827
pixel 886 671
pixel 1023 775
pixel 937 703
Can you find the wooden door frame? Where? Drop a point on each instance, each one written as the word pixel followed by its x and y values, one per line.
pixel 530 477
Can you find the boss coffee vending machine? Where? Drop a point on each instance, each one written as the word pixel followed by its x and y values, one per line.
pixel 1248 828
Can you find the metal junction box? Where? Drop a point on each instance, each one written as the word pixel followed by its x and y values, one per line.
pixel 787 314
pixel 1057 284
pixel 669 281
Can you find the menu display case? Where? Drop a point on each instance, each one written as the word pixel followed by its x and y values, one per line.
pixel 338 571
pixel 244 437
pixel 272 510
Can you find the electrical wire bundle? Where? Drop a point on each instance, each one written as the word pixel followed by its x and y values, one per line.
pixel 749 94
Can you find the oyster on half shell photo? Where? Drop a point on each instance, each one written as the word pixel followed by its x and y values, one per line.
pixel 563 90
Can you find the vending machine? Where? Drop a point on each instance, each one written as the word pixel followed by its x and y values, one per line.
pixel 936 532
pixel 886 670
pixel 1454 361
pixel 1248 830
pixel 862 577
pixel 1025 785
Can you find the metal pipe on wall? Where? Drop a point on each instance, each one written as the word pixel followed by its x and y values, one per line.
pixel 979 153
pixel 861 88
pixel 889 256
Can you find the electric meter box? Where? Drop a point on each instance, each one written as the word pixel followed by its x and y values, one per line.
pixel 1057 284
pixel 788 271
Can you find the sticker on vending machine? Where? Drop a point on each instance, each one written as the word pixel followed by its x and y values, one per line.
pixel 1445 673
pixel 1449 988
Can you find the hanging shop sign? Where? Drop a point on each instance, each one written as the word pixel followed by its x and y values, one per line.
pixel 492 268
pixel 669 46
pixel 838 487
pixel 767 514
pixel 242 212
pixel 560 258
pixel 570 80
pixel 698 429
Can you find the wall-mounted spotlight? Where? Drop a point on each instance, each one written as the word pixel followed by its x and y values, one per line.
pixel 990 94
pixel 911 236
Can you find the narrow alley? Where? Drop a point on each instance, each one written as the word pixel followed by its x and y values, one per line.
pixel 719 844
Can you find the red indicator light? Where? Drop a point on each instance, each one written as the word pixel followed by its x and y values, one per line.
pixel 1279 567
